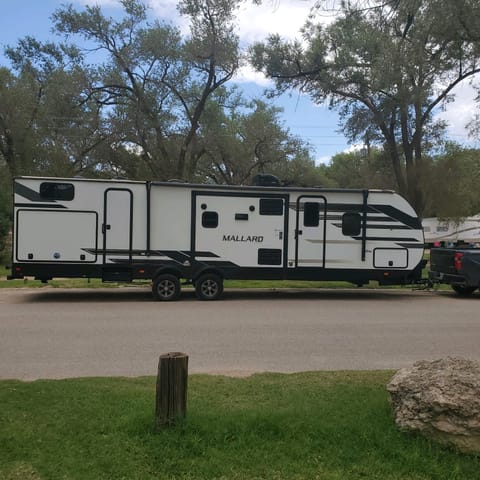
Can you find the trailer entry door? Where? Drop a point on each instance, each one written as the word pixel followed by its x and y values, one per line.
pixel 310 232
pixel 117 225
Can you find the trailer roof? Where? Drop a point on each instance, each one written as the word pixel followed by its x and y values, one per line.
pixel 79 179
pixel 180 184
pixel 263 188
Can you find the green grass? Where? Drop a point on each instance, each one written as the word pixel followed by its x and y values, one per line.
pixel 326 426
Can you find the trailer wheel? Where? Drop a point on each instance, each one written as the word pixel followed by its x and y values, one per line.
pixel 166 287
pixel 462 290
pixel 209 287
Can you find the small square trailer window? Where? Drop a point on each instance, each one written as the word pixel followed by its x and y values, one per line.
pixel 57 191
pixel 210 219
pixel 271 206
pixel 351 224
pixel 311 214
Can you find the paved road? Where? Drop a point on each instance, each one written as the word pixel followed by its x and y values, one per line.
pixel 54 333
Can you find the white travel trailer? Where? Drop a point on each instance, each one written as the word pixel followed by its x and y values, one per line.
pixel 120 230
pixel 449 231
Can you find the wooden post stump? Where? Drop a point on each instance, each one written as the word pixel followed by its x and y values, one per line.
pixel 171 395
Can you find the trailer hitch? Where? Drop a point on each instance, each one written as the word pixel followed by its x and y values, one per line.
pixel 424 284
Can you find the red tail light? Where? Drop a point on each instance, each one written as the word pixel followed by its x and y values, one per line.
pixel 457 261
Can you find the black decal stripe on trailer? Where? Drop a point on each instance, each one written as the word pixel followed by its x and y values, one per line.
pixel 392 213
pixel 199 253
pixel 369 218
pixel 413 222
pixel 177 255
pixel 349 207
pixel 343 207
pixel 30 194
pixel 380 227
pixel 150 262
pixel 44 206
pixel 412 245
pixel 390 239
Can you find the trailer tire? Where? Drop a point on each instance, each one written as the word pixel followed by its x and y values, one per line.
pixel 209 286
pixel 166 287
pixel 463 290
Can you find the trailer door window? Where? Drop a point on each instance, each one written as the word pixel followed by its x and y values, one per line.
pixel 351 224
pixel 210 219
pixel 57 191
pixel 311 214
pixel 271 206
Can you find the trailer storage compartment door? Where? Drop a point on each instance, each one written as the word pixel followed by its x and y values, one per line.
pixel 241 230
pixel 390 258
pixel 56 236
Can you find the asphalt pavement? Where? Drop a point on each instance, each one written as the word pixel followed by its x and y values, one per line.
pixel 57 333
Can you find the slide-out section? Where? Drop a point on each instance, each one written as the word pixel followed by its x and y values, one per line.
pixel 56 236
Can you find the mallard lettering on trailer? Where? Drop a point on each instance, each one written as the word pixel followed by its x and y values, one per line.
pixel 243 238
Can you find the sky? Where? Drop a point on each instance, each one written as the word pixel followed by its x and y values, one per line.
pixel 315 124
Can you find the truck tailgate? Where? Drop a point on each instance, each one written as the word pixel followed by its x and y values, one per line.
pixel 442 260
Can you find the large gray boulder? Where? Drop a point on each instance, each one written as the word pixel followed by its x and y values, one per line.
pixel 441 400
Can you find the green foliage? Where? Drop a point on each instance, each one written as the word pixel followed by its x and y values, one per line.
pixel 361 169
pixel 244 139
pixel 387 66
pixel 453 185
pixel 5 225
pixel 329 426
pixel 48 125
pixel 156 82
pixel 5 214
pixel 156 106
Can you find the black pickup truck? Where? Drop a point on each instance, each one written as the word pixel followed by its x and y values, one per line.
pixel 459 267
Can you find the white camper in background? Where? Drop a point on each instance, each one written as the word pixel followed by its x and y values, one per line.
pixel 121 230
pixel 450 231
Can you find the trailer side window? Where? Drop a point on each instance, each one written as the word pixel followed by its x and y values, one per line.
pixel 57 191
pixel 311 214
pixel 210 219
pixel 351 223
pixel 271 206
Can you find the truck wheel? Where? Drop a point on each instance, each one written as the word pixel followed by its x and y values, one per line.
pixel 462 290
pixel 166 287
pixel 209 287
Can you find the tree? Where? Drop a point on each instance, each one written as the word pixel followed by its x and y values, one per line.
pixel 156 82
pixel 361 169
pixel 245 138
pixel 5 211
pixel 453 186
pixel 141 100
pixel 47 125
pixel 391 66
